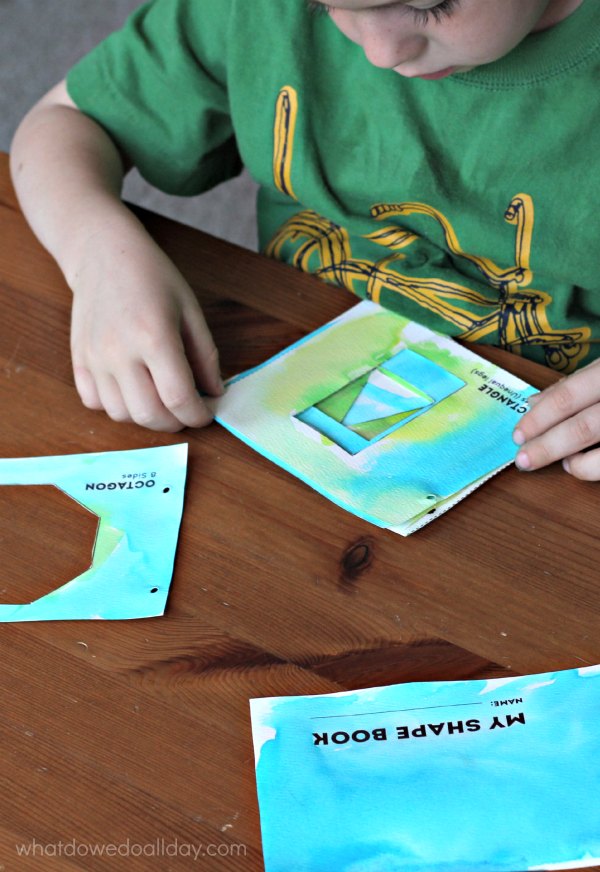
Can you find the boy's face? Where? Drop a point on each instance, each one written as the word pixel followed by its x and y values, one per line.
pixel 432 39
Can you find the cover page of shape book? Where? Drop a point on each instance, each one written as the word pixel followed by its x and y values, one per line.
pixel 499 775
pixel 383 416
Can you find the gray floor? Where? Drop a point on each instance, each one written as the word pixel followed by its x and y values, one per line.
pixel 39 41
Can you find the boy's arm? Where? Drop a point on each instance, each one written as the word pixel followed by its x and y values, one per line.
pixel 564 424
pixel 139 341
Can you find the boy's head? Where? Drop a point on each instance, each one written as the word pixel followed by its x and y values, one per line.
pixel 434 38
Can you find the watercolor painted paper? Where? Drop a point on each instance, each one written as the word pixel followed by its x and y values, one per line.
pixel 497 775
pixel 387 418
pixel 138 498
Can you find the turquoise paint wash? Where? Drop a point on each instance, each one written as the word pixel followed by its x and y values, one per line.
pixel 467 776
pixel 138 497
pixel 379 414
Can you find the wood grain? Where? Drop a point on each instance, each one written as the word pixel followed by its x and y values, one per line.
pixel 139 730
pixel 33 516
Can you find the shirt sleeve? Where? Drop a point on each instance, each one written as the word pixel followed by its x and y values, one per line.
pixel 158 87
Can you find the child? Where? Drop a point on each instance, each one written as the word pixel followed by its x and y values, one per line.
pixel 437 157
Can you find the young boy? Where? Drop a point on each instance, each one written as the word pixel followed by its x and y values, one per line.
pixel 437 157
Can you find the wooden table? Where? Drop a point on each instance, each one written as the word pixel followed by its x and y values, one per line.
pixel 127 733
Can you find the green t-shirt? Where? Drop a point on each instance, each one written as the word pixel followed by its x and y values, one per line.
pixel 469 204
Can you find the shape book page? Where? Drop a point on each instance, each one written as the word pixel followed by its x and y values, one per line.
pixel 500 775
pixel 137 497
pixel 386 418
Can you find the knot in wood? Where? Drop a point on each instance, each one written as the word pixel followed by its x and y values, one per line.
pixel 357 558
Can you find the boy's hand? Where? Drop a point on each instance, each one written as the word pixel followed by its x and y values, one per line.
pixel 563 422
pixel 139 342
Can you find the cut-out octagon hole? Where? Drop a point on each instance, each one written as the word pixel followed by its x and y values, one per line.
pixel 46 539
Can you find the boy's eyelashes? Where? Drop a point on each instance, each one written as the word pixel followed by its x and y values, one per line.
pixel 317 8
pixel 437 12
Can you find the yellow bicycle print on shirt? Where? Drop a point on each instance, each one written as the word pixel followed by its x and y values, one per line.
pixel 518 314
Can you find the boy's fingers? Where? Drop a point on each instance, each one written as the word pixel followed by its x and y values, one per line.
pixel 202 352
pixel 559 402
pixel 585 466
pixel 112 398
pixel 565 439
pixel 176 387
pixel 86 387
pixel 144 404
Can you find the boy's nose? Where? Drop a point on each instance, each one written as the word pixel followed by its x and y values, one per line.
pixel 388 48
